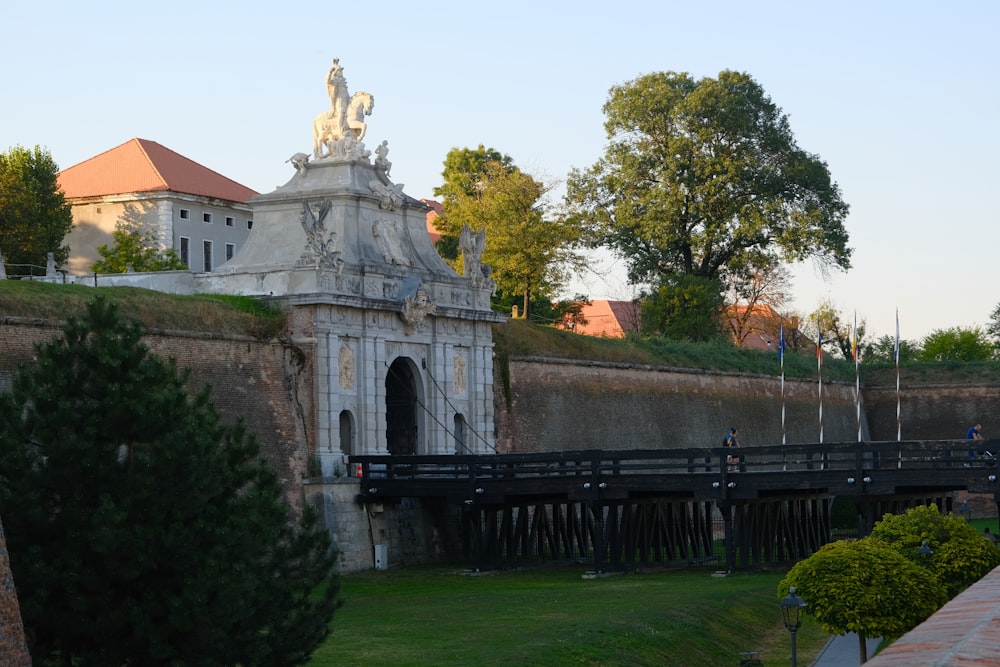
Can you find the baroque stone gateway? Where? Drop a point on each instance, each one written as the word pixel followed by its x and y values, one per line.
pixel 402 344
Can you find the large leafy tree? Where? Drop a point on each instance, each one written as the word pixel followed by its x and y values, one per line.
pixel 865 587
pixel 34 215
pixel 700 176
pixel 141 530
pixel 528 252
pixel 136 246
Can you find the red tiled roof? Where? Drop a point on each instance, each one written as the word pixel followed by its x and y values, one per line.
pixel 140 165
pixel 612 319
pixel 432 215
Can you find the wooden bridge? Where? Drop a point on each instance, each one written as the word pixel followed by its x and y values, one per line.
pixel 628 508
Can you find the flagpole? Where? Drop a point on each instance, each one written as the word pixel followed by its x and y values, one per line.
pixel 781 358
pixel 857 373
pixel 819 371
pixel 899 419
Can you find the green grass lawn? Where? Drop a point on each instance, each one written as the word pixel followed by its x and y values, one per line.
pixel 555 616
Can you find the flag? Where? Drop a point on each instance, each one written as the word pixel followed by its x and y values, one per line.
pixel 854 340
pixel 781 343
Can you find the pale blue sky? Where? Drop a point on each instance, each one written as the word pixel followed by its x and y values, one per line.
pixel 899 98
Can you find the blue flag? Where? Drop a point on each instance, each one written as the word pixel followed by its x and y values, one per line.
pixel 781 343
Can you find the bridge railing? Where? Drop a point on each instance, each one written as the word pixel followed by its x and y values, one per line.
pixel 911 454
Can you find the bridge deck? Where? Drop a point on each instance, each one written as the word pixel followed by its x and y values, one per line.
pixel 624 507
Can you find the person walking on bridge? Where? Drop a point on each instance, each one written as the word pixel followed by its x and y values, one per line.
pixel 734 462
pixel 975 433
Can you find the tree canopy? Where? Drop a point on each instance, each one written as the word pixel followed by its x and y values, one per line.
pixel 960 555
pixel 957 344
pixel 700 177
pixel 528 253
pixel 34 215
pixel 142 530
pixel 136 246
pixel 865 587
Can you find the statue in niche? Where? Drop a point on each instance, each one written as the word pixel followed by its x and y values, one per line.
pixel 416 308
pixel 458 386
pixel 390 196
pixel 321 243
pixel 381 157
pixel 346 366
pixel 390 242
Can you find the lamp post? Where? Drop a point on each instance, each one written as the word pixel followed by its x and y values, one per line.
pixel 791 611
pixel 924 552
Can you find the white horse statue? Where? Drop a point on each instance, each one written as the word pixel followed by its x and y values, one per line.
pixel 328 130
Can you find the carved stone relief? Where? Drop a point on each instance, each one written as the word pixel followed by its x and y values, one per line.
pixel 321 242
pixel 390 241
pixel 458 384
pixel 346 366
pixel 416 308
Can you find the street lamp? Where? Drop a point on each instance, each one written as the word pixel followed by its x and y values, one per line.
pixel 791 610
pixel 924 552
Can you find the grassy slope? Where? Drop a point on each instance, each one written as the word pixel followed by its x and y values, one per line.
pixel 242 315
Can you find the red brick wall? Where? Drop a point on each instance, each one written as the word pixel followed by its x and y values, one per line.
pixel 13 648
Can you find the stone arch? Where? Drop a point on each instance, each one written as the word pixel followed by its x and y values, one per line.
pixel 347 432
pixel 404 414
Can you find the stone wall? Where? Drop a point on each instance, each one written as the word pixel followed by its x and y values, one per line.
pixel 268 385
pixel 541 405
pixel 412 531
pixel 556 405
pixel 933 412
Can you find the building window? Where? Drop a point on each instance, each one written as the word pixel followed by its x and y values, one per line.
pixel 207 251
pixel 206 217
pixel 249 224
pixel 229 221
pixel 185 214
pixel 186 251
pixel 230 251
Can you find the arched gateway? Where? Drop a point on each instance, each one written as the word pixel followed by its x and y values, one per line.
pixel 400 345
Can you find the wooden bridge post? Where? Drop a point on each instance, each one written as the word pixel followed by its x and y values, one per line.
pixel 730 534
pixel 597 511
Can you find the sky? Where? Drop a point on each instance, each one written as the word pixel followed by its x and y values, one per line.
pixel 899 98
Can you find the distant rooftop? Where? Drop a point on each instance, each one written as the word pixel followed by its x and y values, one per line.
pixel 141 165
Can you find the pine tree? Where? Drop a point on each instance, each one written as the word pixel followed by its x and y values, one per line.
pixel 141 530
